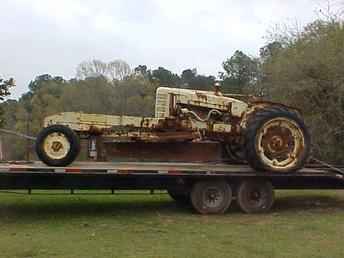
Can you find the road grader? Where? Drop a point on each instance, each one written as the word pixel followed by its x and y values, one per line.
pixel 268 136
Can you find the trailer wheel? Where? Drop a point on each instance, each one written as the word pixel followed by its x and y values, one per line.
pixel 276 140
pixel 57 145
pixel 211 197
pixel 182 198
pixel 255 196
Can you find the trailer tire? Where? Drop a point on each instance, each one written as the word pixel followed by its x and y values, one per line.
pixel 255 196
pixel 211 197
pixel 57 145
pixel 180 197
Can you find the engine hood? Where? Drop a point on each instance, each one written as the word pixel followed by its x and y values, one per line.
pixel 206 99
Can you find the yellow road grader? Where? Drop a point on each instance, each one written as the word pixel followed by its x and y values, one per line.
pixel 268 136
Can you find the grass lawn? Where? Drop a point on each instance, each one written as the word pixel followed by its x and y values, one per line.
pixel 301 224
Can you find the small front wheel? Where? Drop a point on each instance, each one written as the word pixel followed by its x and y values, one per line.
pixel 57 145
pixel 211 197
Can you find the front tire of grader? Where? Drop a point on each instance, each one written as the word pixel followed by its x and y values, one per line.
pixel 57 145
pixel 276 140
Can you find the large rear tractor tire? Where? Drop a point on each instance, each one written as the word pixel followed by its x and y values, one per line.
pixel 276 140
pixel 57 145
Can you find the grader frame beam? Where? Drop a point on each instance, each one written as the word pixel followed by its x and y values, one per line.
pixel 144 128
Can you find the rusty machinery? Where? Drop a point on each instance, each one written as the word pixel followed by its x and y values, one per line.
pixel 269 136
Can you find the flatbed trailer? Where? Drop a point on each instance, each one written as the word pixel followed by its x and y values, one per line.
pixel 209 188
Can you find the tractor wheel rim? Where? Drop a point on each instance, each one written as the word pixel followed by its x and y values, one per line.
pixel 56 145
pixel 280 142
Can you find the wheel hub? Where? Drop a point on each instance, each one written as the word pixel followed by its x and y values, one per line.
pixel 56 146
pixel 255 195
pixel 276 144
pixel 213 197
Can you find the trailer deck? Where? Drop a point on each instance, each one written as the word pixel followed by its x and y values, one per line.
pixel 153 175
pixel 210 188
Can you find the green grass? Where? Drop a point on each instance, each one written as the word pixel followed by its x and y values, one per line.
pixel 302 224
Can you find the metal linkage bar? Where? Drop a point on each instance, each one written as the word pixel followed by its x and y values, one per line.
pixel 329 166
pixel 18 134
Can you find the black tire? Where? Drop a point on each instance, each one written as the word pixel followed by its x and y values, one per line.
pixel 254 125
pixel 255 196
pixel 182 198
pixel 234 154
pixel 70 156
pixel 211 197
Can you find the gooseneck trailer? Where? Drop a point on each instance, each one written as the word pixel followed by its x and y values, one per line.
pixel 209 188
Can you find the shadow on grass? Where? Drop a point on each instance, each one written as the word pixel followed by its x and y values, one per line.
pixel 301 202
pixel 76 207
pixel 41 208
pixel 308 202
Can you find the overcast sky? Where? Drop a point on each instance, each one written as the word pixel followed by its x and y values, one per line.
pixel 54 36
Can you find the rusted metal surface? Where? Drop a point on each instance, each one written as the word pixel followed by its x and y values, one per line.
pixel 80 122
pixel 180 115
pixel 184 117
pixel 178 152
pixel 195 98
pixel 258 103
pixel 192 111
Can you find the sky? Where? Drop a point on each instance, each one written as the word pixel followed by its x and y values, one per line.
pixel 54 36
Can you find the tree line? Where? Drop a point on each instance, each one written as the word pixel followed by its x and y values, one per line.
pixel 298 67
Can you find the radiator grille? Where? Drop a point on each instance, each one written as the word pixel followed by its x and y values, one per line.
pixel 161 105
